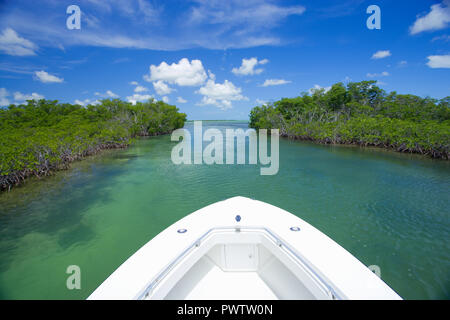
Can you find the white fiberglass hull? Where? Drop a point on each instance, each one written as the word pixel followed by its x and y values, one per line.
pixel 242 249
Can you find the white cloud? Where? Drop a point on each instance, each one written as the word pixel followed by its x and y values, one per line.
pixel 274 82
pixel 403 63
pixel 375 75
pixel 140 89
pixel 21 97
pixel 19 68
pixel 121 60
pixel 439 61
pixel 237 23
pixel 4 101
pixel 139 97
pixel 261 102
pixel 318 88
pixel 18 97
pixel 220 94
pixel 252 14
pixel 161 88
pixel 147 10
pixel 111 94
pixel 438 18
pixel 213 24
pixel 183 73
pixel 107 94
pixel 141 10
pixel 45 77
pixel 221 104
pixel 445 38
pixel 248 67
pixel 165 99
pixel 181 100
pixel 13 44
pixel 211 75
pixel 86 102
pixel 381 54
pixel 134 83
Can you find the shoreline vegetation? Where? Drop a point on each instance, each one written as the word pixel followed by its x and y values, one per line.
pixel 44 136
pixel 361 114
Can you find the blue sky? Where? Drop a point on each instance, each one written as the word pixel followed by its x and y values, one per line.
pixel 216 59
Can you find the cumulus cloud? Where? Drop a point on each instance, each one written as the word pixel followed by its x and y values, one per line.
pixel 438 18
pixel 181 100
pixel 375 75
pixel 318 88
pixel 381 54
pixel 21 97
pixel 18 97
pixel 139 98
pixel 45 77
pixel 86 102
pixel 165 99
pixel 220 94
pixel 161 87
pixel 107 94
pixel 4 101
pixel 248 67
pixel 13 44
pixel 439 61
pixel 261 102
pixel 140 89
pixel 274 82
pixel 183 73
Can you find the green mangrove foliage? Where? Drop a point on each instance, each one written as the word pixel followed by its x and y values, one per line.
pixel 361 113
pixel 42 136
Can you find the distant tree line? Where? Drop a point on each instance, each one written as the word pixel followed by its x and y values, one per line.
pixel 363 114
pixel 42 136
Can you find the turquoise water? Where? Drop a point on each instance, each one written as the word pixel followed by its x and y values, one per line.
pixel 386 208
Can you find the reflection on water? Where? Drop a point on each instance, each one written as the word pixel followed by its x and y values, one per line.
pixel 386 208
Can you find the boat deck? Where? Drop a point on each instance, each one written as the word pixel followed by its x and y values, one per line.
pixel 207 281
